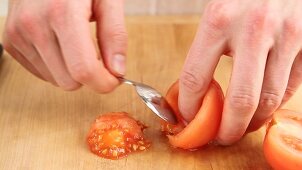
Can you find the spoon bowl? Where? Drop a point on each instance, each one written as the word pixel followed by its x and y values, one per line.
pixel 154 100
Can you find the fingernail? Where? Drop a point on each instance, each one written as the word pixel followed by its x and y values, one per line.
pixel 118 64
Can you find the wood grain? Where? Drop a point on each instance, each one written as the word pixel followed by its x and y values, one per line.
pixel 43 127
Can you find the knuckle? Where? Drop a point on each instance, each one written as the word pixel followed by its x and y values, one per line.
pixel 81 72
pixel 55 8
pixel 262 19
pixel 28 22
pixel 289 92
pixel 292 27
pixel 270 100
pixel 118 33
pixel 11 32
pixel 218 15
pixel 55 12
pixel 257 17
pixel 243 100
pixel 258 26
pixel 192 83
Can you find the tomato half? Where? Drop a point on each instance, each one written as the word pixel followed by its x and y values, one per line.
pixel 204 127
pixel 115 135
pixel 283 141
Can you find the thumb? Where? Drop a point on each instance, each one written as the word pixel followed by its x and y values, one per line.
pixel 111 34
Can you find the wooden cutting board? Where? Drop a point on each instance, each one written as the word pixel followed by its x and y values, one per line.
pixel 42 127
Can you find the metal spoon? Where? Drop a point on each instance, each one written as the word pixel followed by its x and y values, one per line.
pixel 154 100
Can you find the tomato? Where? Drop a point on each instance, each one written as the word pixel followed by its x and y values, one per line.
pixel 204 127
pixel 115 135
pixel 283 141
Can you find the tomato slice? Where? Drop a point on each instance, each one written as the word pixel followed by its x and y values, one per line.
pixel 115 135
pixel 204 127
pixel 283 141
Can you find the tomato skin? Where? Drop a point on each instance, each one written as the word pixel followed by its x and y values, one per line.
pixel 204 127
pixel 282 145
pixel 115 135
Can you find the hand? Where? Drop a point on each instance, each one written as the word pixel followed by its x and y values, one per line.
pixel 52 39
pixel 265 40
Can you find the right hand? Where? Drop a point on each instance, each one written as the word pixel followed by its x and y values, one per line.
pixel 52 40
pixel 265 40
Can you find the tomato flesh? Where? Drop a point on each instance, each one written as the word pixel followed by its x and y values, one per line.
pixel 283 141
pixel 203 128
pixel 115 135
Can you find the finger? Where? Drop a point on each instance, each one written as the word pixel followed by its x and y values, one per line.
pixel 22 60
pixel 17 41
pixel 202 59
pixel 48 47
pixel 295 79
pixel 243 94
pixel 111 32
pixel 276 78
pixel 80 55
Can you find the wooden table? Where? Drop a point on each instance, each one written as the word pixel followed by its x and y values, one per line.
pixel 42 127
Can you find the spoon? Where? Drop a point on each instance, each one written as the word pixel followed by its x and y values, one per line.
pixel 154 100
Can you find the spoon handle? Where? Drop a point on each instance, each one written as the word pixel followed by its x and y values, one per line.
pixel 126 81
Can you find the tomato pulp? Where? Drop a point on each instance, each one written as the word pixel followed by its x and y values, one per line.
pixel 115 135
pixel 204 127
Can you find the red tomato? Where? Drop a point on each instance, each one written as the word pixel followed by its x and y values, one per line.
pixel 115 135
pixel 204 127
pixel 283 141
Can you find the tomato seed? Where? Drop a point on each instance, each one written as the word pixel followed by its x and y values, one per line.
pixel 134 147
pixel 114 153
pixel 104 152
pixel 142 148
